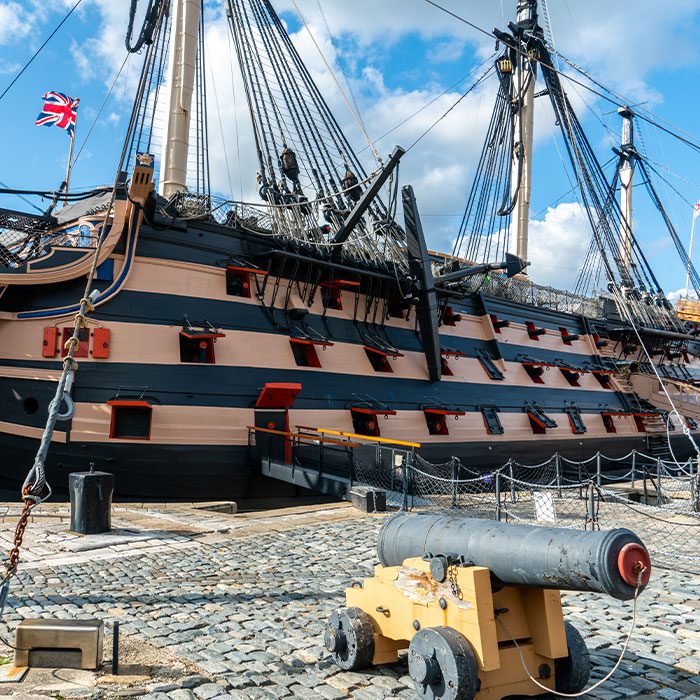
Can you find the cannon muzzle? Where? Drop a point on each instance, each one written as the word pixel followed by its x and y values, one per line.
pixel 607 562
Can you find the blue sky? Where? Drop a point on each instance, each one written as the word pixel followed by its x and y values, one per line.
pixel 397 56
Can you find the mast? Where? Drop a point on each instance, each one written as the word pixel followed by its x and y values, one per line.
pixel 626 174
pixel 181 78
pixel 523 125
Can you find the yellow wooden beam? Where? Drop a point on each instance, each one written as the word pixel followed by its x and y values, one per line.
pixel 371 438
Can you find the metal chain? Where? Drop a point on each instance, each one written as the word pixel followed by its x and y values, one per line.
pixel 454 584
pixel 13 560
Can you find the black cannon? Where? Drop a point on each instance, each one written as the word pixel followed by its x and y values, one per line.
pixel 522 555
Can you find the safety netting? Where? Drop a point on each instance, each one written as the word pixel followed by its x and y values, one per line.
pixel 657 499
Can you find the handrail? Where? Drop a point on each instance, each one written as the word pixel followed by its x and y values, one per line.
pixel 371 438
pixel 301 436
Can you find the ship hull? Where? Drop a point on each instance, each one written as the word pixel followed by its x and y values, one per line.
pixel 196 472
pixel 190 472
pixel 540 372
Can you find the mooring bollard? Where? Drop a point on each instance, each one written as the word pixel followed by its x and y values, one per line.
pixel 115 648
pixel 91 502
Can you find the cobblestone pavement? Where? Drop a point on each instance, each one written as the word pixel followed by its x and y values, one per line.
pixel 233 606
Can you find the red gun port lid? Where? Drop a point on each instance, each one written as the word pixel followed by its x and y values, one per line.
pixel 632 559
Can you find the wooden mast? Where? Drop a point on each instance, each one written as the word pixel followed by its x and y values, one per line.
pixel 181 78
pixel 524 121
pixel 626 174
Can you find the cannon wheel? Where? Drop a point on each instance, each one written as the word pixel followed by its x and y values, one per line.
pixel 349 637
pixel 573 672
pixel 442 665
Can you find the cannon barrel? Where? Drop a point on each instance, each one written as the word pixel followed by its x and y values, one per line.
pixel 522 555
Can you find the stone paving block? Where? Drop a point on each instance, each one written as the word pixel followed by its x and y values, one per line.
pixel 299 691
pixel 165 687
pixel 669 694
pixel 208 690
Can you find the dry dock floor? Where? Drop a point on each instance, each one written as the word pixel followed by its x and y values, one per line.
pixel 216 605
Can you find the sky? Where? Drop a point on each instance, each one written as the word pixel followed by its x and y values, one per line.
pixel 394 57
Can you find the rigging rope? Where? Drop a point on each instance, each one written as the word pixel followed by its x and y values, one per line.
pixel 8 190
pixel 50 194
pixel 354 113
pixel 680 248
pixel 447 90
pixel 622 305
pixel 491 184
pixel 339 58
pixel 221 131
pixel 150 21
pixel 300 145
pixel 609 95
pixel 234 92
pixel 470 89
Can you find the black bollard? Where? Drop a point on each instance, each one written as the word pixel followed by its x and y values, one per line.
pixel 91 502
pixel 115 649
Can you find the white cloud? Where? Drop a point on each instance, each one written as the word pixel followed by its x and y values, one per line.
pixel 604 37
pixel 558 243
pixel 7 67
pixel 82 61
pixel 20 20
pixel 679 294
pixel 15 22
pixel 447 51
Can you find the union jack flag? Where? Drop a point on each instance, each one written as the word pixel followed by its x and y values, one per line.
pixel 59 110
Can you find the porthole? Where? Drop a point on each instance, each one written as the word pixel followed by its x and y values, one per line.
pixel 30 406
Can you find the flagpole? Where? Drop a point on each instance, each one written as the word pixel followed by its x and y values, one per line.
pixel 70 149
pixel 70 164
pixel 690 250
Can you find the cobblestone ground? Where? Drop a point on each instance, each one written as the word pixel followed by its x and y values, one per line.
pixel 234 607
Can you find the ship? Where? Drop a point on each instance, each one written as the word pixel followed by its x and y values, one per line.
pixel 313 307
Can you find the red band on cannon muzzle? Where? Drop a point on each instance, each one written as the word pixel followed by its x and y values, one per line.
pixel 632 559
